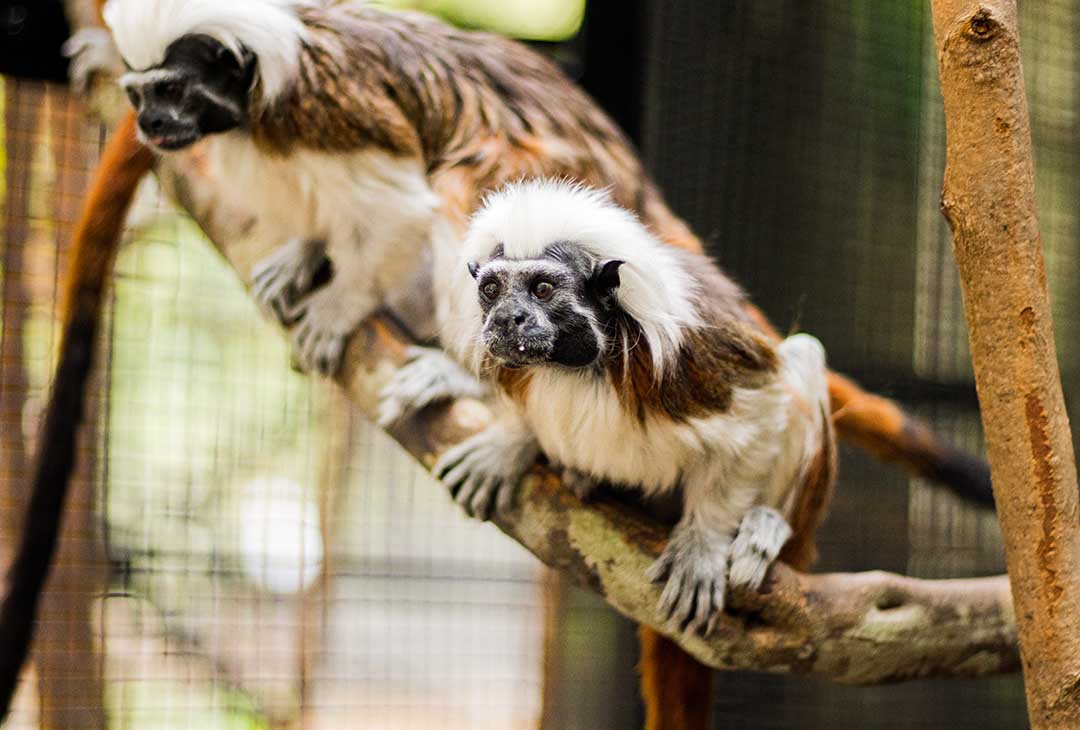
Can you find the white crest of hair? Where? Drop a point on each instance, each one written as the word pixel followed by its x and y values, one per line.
pixel 655 287
pixel 270 29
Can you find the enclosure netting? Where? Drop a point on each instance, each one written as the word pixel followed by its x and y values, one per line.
pixel 243 551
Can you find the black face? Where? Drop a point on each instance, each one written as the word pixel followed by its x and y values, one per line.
pixel 200 89
pixel 550 310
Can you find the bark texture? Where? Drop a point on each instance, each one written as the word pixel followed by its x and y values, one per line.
pixel 856 629
pixel 989 201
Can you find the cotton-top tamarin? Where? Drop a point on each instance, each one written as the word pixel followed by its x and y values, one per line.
pixel 629 362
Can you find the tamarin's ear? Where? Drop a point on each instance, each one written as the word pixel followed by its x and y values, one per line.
pixel 474 269
pixel 604 281
pixel 605 277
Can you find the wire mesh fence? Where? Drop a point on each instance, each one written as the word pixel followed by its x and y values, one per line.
pixel 243 551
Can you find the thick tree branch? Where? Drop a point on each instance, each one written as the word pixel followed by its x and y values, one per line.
pixel 856 629
pixel 989 201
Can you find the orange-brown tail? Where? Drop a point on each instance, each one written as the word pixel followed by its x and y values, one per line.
pixel 881 427
pixel 676 687
pixel 124 163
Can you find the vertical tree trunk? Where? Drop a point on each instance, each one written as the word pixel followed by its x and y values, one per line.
pixel 989 201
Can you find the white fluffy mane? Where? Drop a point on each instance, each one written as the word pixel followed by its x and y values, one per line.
pixel 144 29
pixel 655 289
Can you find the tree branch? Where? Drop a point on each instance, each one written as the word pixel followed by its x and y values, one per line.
pixel 989 201
pixel 856 629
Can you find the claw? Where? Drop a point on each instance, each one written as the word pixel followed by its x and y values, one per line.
pixel 282 280
pixel 694 569
pixel 484 471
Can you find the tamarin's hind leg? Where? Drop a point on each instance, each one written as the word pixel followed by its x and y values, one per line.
pixel 675 687
pixel 809 511
pixel 288 274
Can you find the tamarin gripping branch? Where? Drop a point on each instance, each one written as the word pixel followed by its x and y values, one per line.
pixel 368 98
pixel 633 363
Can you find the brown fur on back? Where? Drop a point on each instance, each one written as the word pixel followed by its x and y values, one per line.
pixel 481 108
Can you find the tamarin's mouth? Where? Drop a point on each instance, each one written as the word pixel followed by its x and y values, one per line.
pixel 173 142
pixel 517 352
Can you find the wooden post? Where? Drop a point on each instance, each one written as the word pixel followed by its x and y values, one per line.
pixel 989 201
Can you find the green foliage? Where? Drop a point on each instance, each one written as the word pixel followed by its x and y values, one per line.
pixel 538 20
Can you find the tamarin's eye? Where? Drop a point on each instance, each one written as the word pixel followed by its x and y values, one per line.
pixel 543 290
pixel 170 90
pixel 490 290
pixel 133 96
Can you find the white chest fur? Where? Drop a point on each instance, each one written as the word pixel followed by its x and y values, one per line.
pixel 764 441
pixel 580 423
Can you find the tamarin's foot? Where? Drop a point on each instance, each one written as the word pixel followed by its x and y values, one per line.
pixel 92 52
pixel 286 276
pixel 762 534
pixel 695 566
pixel 324 321
pixel 428 377
pixel 484 472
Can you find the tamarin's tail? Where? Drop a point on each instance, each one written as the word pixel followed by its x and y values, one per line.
pixel 676 687
pixel 124 163
pixel 879 426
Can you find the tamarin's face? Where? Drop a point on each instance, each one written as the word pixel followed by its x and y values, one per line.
pixel 549 310
pixel 201 88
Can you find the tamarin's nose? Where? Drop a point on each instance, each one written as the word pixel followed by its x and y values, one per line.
pixel 519 318
pixel 154 123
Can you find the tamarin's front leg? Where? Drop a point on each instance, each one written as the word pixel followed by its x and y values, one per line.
pixel 484 471
pixel 367 263
pixel 694 565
